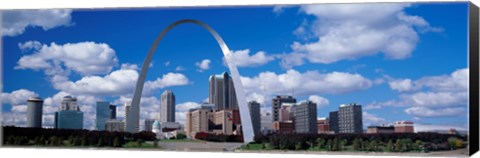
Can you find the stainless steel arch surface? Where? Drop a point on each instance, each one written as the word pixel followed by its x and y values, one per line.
pixel 134 112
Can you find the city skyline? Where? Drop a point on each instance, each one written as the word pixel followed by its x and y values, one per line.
pixel 380 79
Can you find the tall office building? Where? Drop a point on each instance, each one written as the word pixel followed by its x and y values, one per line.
pixel 277 104
pixel 333 121
pixel 34 112
pixel 350 118
pixel 69 116
pixel 305 118
pixel 254 108
pixel 103 114
pixel 148 124
pixel 167 110
pixel 128 105
pixel 222 92
pixel 113 112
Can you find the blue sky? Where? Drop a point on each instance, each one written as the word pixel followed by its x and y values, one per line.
pixel 400 61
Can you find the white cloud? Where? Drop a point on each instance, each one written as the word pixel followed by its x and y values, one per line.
pixel 431 96
pixel 242 58
pixel 436 127
pixel 116 83
pixel 203 65
pixel 17 97
pixel 167 63
pixel 14 22
pixel 119 82
pixel 129 66
pixel 179 68
pixel 420 111
pixel 372 120
pixel 73 56
pixel 168 80
pixel 184 107
pixel 321 101
pixel 351 31
pixel 307 83
pixel 401 85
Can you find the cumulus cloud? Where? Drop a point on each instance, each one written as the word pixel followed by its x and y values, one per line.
pixel 371 119
pixel 119 82
pixel 307 83
pixel 203 65
pixel 242 58
pixel 14 22
pixel 73 56
pixel 351 31
pixel 431 96
pixel 421 111
pixel 319 100
pixel 17 97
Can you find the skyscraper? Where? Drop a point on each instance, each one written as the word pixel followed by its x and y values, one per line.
pixel 128 105
pixel 148 124
pixel 113 112
pixel 333 121
pixel 305 119
pixel 254 108
pixel 69 116
pixel 34 112
pixel 222 92
pixel 277 104
pixel 197 120
pixel 350 118
pixel 167 111
pixel 103 114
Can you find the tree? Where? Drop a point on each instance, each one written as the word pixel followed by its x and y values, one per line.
pixel 451 143
pixel 298 146
pixel 390 146
pixel 357 144
pixel 373 145
pixel 343 142
pixel 399 145
pixel 336 144
pixel 320 143
pixel 100 142
pixel 116 142
pixel 329 145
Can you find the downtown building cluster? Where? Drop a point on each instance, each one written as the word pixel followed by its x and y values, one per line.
pixel 221 114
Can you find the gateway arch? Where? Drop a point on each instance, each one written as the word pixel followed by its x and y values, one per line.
pixel 133 119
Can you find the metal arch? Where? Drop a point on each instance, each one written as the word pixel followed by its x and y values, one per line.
pixel 134 112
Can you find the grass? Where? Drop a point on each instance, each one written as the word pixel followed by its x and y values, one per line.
pixel 138 145
pixel 180 140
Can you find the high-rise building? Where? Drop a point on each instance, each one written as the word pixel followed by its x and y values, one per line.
pixel 34 112
pixel 254 108
pixel 266 123
pixel 306 117
pixel 277 104
pixel 69 116
pixel 403 127
pixel 222 92
pixel 350 118
pixel 128 105
pixel 285 113
pixel 167 110
pixel 115 125
pixel 103 114
pixel 113 112
pixel 148 124
pixel 197 120
pixel 333 121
